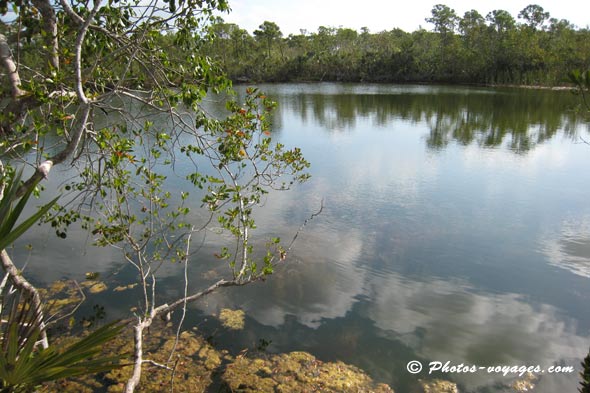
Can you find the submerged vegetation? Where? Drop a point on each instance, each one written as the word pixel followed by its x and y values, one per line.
pixel 295 372
pixel 232 319
pixel 197 367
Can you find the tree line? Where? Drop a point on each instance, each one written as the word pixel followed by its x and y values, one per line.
pixel 531 48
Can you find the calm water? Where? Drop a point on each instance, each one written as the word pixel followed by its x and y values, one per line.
pixel 456 227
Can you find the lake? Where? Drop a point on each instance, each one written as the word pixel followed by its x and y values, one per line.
pixel 455 227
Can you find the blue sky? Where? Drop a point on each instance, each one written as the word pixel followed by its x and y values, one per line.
pixel 378 15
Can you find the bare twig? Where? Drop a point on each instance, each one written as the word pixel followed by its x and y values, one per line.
pixel 304 224
pixel 165 309
pixel 159 365
pixel 51 321
pixel 173 374
pixel 185 294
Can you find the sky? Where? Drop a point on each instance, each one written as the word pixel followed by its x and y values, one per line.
pixel 379 15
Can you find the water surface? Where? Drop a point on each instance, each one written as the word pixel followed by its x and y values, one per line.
pixel 455 227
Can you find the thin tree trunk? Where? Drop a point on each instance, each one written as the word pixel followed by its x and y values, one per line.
pixel 10 67
pixel 23 285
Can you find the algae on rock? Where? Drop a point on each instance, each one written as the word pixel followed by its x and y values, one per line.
pixel 232 319
pixel 438 386
pixel 191 364
pixel 297 372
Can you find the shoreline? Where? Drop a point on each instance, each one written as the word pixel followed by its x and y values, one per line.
pixel 243 82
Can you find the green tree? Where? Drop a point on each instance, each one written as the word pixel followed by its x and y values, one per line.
pixel 561 49
pixel 471 22
pixel 531 47
pixel 473 54
pixel 581 81
pixel 444 19
pixel 268 32
pixel 534 15
pixel 445 22
pixel 222 38
pixel 140 64
pixel 501 21
pixel 501 46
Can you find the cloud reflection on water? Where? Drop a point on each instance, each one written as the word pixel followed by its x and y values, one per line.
pixel 439 319
pixel 569 247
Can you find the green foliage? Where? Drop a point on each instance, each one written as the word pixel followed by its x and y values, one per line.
pixel 534 15
pixel 122 192
pixel 138 213
pixel 444 19
pixel 581 81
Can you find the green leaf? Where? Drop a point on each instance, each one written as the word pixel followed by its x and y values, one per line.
pixel 10 237
pixel 9 215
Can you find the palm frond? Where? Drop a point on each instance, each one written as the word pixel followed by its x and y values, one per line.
pixel 23 366
pixel 9 214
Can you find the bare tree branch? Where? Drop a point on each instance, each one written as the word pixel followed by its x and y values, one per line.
pixel 10 67
pixel 43 170
pixel 50 321
pixel 71 13
pixel 153 363
pixel 78 50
